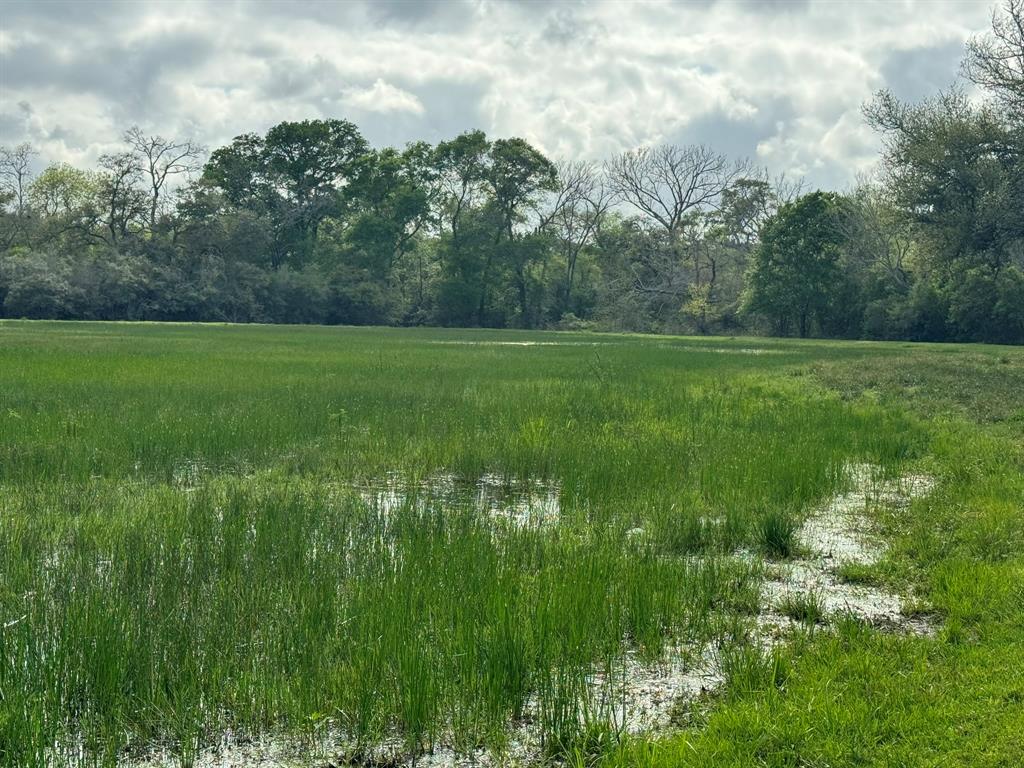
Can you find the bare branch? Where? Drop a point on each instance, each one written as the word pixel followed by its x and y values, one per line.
pixel 666 183
pixel 996 61
pixel 161 159
pixel 15 171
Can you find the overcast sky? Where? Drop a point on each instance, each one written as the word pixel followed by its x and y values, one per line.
pixel 781 83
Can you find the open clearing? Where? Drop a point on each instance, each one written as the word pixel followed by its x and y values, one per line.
pixel 306 547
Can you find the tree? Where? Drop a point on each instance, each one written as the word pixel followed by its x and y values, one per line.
pixel 956 171
pixel 207 223
pixel 61 190
pixel 877 235
pixel 122 204
pixel 308 163
pixel 748 202
pixel 996 61
pixel 239 171
pixel 161 159
pixel 723 242
pixel 668 182
pixel 574 217
pixel 307 224
pixel 953 167
pixel 488 192
pixel 675 188
pixel 795 267
pixel 295 176
pixel 63 198
pixel 15 173
pixel 461 165
pixel 390 205
pixel 519 175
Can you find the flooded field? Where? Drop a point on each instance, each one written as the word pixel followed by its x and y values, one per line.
pixel 311 547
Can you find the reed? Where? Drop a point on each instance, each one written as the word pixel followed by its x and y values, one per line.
pixel 184 548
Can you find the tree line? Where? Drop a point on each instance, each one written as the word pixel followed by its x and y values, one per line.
pixel 310 224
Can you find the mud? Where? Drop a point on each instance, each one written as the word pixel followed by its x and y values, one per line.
pixel 833 534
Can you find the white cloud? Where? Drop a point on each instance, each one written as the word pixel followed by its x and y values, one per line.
pixel 782 85
pixel 382 97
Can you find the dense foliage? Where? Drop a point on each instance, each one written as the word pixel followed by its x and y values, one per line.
pixel 309 224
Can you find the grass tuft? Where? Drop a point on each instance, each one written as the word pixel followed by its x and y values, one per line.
pixel 804 607
pixel 776 533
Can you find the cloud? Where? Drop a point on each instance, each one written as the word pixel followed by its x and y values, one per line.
pixel 780 83
pixel 917 73
pixel 382 97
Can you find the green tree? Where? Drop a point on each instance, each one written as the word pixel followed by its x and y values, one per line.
pixel 63 201
pixel 488 192
pixel 996 61
pixel 120 206
pixel 309 164
pixel 956 170
pixel 238 170
pixel 461 165
pixel 390 205
pixel 795 268
pixel 296 176
pixel 519 175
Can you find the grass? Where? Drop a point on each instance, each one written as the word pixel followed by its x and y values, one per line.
pixel 858 573
pixel 776 533
pixel 807 607
pixel 184 550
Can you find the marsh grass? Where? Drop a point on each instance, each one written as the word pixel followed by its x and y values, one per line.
pixel 749 669
pixel 181 552
pixel 777 533
pixel 804 607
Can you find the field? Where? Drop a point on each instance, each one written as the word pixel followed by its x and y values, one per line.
pixel 368 545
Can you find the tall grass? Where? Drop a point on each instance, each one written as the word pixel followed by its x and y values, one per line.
pixel 180 555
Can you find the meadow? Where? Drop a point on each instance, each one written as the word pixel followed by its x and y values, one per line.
pixel 433 538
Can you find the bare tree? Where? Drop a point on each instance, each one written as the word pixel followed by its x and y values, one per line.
pixel 996 61
pixel 15 171
pixel 574 215
pixel 675 188
pixel 668 183
pixel 160 159
pixel 787 190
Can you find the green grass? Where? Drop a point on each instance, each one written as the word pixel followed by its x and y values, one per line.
pixel 807 608
pixel 182 550
pixel 776 533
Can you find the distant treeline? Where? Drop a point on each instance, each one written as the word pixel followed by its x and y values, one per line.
pixel 309 224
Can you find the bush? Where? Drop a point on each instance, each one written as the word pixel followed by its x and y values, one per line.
pixel 988 306
pixel 569 322
pixel 36 285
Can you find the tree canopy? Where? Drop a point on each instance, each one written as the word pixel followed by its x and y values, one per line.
pixel 309 223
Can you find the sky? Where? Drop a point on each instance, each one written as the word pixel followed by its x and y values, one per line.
pixel 778 83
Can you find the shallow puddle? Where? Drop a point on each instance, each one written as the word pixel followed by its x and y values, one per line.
pixel 495 343
pixel 724 350
pixel 503 500
pixel 836 534
pixel 637 697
